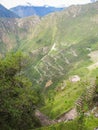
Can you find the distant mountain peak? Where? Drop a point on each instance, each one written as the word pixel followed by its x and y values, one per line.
pixel 29 10
pixel 5 13
pixel 2 7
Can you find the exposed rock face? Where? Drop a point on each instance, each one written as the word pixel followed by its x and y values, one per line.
pixel 13 31
pixel 74 11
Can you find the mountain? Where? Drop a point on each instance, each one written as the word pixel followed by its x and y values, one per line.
pixel 63 52
pixel 60 44
pixel 25 11
pixel 13 31
pixel 5 13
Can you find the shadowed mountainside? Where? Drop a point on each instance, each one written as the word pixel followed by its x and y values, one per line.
pixel 25 11
pixel 5 13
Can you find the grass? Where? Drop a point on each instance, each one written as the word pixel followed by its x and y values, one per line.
pixel 67 32
pixel 77 33
pixel 63 100
pixel 94 72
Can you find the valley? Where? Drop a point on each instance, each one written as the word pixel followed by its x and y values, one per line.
pixel 62 60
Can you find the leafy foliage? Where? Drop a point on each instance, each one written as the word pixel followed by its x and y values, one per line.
pixel 17 96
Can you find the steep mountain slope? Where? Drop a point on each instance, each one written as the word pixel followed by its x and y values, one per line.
pixel 5 13
pixel 59 44
pixel 24 11
pixel 71 35
pixel 12 31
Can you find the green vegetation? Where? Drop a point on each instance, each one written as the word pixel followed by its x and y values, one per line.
pixel 18 97
pixel 86 119
pixel 58 101
pixel 59 42
pixel 57 47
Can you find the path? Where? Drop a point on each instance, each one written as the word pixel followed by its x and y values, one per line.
pixel 70 115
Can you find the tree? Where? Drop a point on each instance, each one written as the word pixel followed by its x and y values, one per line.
pixel 17 95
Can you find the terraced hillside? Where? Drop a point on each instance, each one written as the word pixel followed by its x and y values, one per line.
pixel 62 51
pixel 59 44
pixel 71 36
